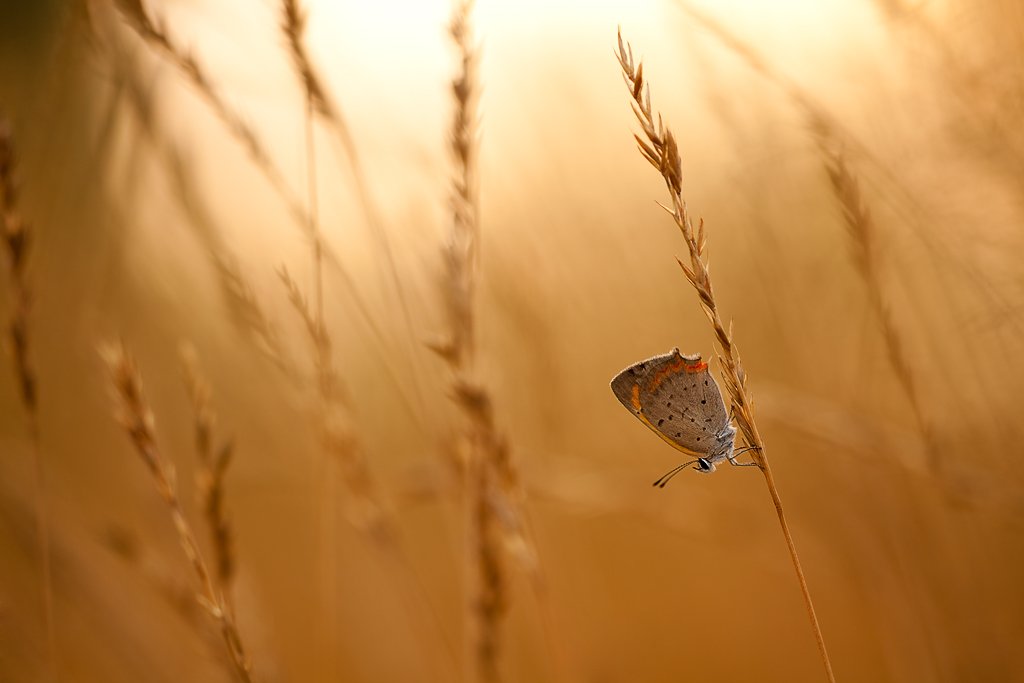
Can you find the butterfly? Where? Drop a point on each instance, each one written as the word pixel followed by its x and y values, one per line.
pixel 676 396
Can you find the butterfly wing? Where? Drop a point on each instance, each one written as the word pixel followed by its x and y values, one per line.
pixel 676 397
pixel 626 385
pixel 711 408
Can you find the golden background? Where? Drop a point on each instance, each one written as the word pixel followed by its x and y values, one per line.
pixel 909 521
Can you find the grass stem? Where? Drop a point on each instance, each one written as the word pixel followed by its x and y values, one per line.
pixel 136 417
pixel 17 239
pixel 658 146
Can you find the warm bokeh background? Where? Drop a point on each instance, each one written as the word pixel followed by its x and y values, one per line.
pixel 135 190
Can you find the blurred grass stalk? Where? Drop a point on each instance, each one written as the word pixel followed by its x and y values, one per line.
pixel 832 139
pixel 322 106
pixel 658 147
pixel 153 32
pixel 864 238
pixel 485 585
pixel 213 467
pixel 338 436
pixel 17 239
pixel 368 511
pixel 135 416
pixel 495 522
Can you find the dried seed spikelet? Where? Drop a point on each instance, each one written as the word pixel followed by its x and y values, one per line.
pixel 214 461
pixel 135 416
pixel 17 244
pixel 366 508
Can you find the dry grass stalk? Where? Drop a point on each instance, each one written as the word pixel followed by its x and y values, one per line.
pixel 750 56
pixel 152 30
pixel 243 305
pixel 172 587
pixel 864 238
pixel 136 417
pixel 367 511
pixel 818 117
pixel 658 146
pixel 293 26
pixel 248 311
pixel 496 524
pixel 316 101
pixel 18 244
pixel 824 125
pixel 213 466
pixel 493 507
pixel 17 240
pixel 487 590
pixel 461 252
pixel 338 437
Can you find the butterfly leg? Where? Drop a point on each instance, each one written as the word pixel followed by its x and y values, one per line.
pixel 732 457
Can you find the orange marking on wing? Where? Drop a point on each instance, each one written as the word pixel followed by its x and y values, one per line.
pixel 673 369
pixel 666 373
pixel 636 397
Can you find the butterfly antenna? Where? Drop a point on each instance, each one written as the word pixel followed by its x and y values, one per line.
pixel 665 478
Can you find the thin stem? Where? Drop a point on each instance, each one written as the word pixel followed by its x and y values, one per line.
pixel 152 30
pixel 492 512
pixel 346 458
pixel 658 146
pixel 864 236
pixel 323 106
pixel 323 467
pixel 213 468
pixel 136 417
pixel 43 534
pixel 811 614
pixel 17 238
pixel 313 212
